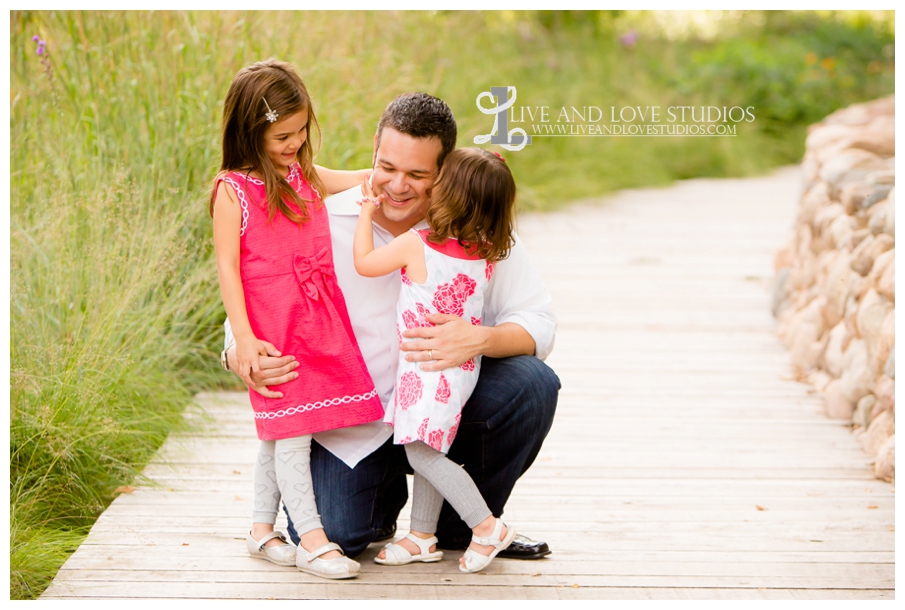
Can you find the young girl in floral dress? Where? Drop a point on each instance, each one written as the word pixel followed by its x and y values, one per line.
pixel 275 263
pixel 445 269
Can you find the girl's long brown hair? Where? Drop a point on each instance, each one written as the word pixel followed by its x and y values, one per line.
pixel 473 200
pixel 245 123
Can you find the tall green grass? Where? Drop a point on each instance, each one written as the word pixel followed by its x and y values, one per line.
pixel 114 306
pixel 111 315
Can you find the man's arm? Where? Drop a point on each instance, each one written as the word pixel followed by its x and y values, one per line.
pixel 454 341
pixel 517 321
pixel 275 369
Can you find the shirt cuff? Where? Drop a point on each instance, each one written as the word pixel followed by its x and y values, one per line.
pixel 228 339
pixel 541 328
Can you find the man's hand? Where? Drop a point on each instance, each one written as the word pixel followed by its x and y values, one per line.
pixel 274 370
pixel 452 342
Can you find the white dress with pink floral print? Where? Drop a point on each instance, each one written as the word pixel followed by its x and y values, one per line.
pixel 427 405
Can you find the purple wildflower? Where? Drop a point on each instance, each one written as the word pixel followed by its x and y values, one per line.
pixel 628 39
pixel 44 54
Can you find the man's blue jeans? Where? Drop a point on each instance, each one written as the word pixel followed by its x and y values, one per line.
pixel 503 426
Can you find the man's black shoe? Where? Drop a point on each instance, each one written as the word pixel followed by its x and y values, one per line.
pixel 387 532
pixel 523 547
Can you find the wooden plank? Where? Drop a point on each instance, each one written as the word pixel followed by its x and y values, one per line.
pixel 756 522
pixel 127 566
pixel 601 490
pixel 441 571
pixel 525 510
pixel 571 466
pixel 435 591
pixel 159 558
pixel 790 540
pixel 524 515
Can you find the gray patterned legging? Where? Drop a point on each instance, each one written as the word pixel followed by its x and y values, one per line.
pixel 437 477
pixel 283 470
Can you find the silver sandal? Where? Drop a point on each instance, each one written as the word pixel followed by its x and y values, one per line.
pixel 281 555
pixel 336 568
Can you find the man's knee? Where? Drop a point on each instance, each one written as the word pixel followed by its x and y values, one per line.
pixel 522 386
pixel 355 502
pixel 353 535
pixel 540 381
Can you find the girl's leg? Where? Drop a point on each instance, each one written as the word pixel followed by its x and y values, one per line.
pixel 456 486
pixel 293 472
pixel 450 480
pixel 503 426
pixel 426 504
pixel 266 495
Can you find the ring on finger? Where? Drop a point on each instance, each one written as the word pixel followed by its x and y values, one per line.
pixel 430 354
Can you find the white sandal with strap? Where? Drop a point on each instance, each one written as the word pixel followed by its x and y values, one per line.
pixel 336 568
pixel 398 555
pixel 281 554
pixel 474 561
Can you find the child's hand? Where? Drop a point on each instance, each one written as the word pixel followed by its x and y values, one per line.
pixel 369 203
pixel 248 353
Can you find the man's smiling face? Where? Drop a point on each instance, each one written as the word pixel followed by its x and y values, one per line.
pixel 405 168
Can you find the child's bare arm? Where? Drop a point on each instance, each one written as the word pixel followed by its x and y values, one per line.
pixel 337 181
pixel 398 254
pixel 227 223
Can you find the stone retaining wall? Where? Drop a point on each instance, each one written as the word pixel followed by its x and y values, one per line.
pixel 835 292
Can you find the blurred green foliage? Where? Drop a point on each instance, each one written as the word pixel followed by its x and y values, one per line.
pixel 115 311
pixel 793 67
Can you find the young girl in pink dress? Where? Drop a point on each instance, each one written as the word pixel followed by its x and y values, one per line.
pixel 445 269
pixel 275 263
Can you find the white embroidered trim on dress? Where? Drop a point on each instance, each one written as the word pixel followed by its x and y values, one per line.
pixel 293 174
pixel 242 201
pixel 317 405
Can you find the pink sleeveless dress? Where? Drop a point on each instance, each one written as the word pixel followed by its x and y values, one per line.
pixel 294 302
pixel 427 405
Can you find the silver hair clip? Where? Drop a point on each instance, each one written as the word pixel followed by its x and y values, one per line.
pixel 271 115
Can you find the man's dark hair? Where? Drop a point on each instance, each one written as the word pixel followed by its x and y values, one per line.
pixel 420 115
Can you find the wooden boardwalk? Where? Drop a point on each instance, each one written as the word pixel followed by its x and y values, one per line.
pixel 684 462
